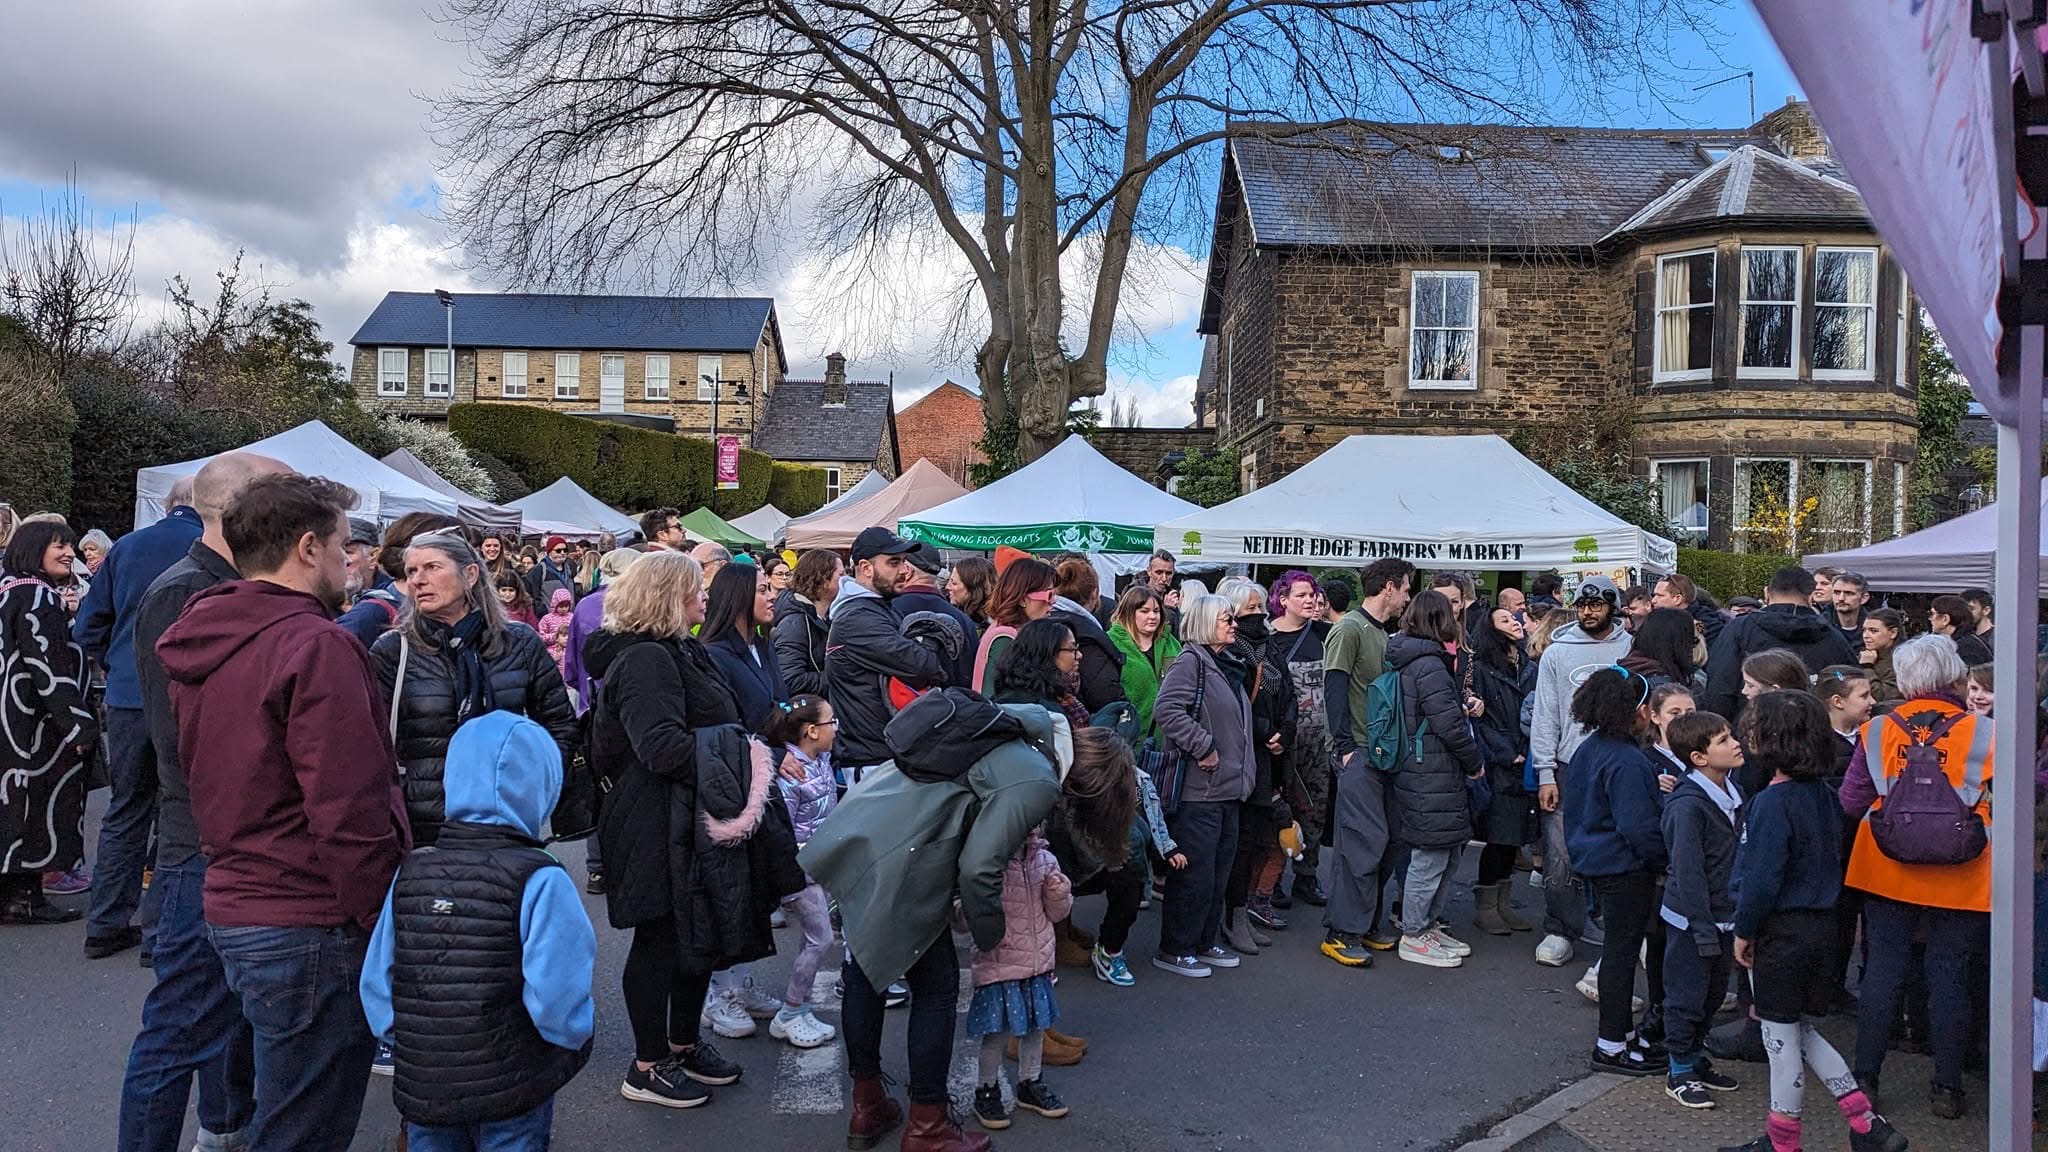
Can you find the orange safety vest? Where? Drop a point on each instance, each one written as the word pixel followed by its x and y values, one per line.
pixel 1966 887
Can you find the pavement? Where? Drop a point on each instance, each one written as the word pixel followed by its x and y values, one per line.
pixel 1288 1052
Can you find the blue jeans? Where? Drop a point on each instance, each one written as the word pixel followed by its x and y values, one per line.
pixel 313 1046
pixel 191 1026
pixel 124 833
pixel 527 1133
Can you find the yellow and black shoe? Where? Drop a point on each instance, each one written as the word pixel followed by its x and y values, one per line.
pixel 1384 940
pixel 1347 951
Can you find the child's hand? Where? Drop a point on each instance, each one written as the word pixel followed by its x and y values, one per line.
pixel 1178 860
pixel 1666 782
pixel 791 768
pixel 1745 951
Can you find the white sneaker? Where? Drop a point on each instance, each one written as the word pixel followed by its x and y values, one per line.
pixel 1589 984
pixel 1554 952
pixel 725 1014
pixel 1451 944
pixel 802 1030
pixel 757 1003
pixel 1428 950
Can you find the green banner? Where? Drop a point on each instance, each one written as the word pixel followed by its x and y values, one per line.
pixel 1069 537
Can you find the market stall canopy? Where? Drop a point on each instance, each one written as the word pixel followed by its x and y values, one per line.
pixel 867 486
pixel 382 493
pixel 475 512
pixel 570 511
pixel 704 524
pixel 921 487
pixel 767 522
pixel 1072 499
pixel 1948 557
pixel 1459 502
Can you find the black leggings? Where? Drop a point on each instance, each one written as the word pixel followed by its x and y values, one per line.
pixel 663 1002
pixel 1497 863
pixel 1629 905
pixel 1123 887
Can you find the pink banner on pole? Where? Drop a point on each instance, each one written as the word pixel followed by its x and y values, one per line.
pixel 728 461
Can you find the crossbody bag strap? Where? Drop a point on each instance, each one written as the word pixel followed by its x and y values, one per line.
pixel 398 690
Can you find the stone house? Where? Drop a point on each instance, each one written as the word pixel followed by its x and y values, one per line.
pixel 943 426
pixel 653 361
pixel 1720 296
pixel 846 427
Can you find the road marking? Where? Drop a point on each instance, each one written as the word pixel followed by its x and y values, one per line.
pixel 809 1081
pixel 822 987
pixel 966 997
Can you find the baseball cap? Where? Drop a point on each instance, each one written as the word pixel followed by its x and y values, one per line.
pixel 926 558
pixel 361 531
pixel 873 542
pixel 1597 588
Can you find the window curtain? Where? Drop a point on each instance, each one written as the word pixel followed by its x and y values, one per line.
pixel 1680 483
pixel 1674 320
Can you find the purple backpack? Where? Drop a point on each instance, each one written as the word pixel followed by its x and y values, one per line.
pixel 1925 819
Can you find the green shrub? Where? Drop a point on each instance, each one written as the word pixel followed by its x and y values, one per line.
pixel 628 468
pixel 505 480
pixel 1731 574
pixel 797 489
pixel 123 428
pixel 37 422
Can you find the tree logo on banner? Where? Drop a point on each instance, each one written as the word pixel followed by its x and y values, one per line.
pixel 1191 543
pixel 1585 550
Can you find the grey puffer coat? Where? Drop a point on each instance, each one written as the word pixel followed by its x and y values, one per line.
pixel 1429 793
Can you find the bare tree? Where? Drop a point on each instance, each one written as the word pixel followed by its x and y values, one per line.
pixel 68 281
pixel 1123 411
pixel 679 140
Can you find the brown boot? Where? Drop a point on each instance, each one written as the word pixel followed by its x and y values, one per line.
pixel 875 1115
pixel 932 1130
pixel 1507 908
pixel 1063 1052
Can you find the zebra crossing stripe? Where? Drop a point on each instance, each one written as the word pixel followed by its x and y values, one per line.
pixel 810 1081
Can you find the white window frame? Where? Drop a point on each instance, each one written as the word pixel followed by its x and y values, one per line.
pixel 1902 338
pixel 1657 324
pixel 1869 467
pixel 1869 369
pixel 387 385
pixel 1706 464
pixel 444 377
pixel 1791 371
pixel 648 376
pixel 508 389
pixel 569 385
pixel 1737 534
pixel 714 367
pixel 832 488
pixel 1415 280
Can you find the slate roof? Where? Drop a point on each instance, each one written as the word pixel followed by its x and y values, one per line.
pixel 798 426
pixel 1753 184
pixel 595 323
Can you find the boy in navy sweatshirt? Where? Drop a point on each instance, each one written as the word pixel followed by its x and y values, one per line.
pixel 1789 877
pixel 1701 828
pixel 478 974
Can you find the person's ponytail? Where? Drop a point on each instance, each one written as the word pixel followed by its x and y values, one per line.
pixel 785 724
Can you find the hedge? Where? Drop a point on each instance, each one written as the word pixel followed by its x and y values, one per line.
pixel 1730 574
pixel 632 469
pixel 38 422
pixel 797 489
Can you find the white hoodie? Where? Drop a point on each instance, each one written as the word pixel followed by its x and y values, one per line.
pixel 1571 657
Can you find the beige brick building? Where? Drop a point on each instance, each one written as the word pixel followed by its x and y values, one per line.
pixel 1723 291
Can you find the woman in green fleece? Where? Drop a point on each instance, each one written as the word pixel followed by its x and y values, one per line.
pixel 1137 631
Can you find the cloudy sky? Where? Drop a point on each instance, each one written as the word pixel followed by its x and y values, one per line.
pixel 293 130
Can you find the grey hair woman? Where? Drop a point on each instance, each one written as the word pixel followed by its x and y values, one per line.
pixel 1929 666
pixel 453 657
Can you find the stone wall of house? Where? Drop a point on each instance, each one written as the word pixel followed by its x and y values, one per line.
pixel 1143 451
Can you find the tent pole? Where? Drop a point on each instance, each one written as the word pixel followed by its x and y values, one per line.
pixel 2018 569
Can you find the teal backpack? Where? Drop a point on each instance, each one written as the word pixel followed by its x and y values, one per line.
pixel 1387 736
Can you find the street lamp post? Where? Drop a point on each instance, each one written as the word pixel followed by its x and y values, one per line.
pixel 448 309
pixel 739 392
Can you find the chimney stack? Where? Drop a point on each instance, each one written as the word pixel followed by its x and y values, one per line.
pixel 835 381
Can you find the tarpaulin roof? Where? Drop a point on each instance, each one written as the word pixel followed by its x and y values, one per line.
pixel 921 487
pixel 383 493
pixel 1072 499
pixel 475 512
pixel 704 524
pixel 565 503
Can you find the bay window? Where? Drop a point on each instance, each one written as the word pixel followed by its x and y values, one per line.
pixel 1770 312
pixel 1685 316
pixel 1844 311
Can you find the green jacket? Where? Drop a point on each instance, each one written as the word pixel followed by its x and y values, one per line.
pixel 895 852
pixel 1141 672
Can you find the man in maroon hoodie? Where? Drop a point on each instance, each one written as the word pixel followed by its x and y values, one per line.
pixel 295 793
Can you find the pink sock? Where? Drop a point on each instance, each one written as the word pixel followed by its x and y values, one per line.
pixel 1784 1133
pixel 1856 1106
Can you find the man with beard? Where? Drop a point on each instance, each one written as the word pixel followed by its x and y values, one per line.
pixel 1787 620
pixel 866 647
pixel 281 731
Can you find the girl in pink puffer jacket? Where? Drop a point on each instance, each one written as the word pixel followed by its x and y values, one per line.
pixel 1013 992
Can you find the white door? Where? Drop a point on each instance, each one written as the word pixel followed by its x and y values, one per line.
pixel 611 384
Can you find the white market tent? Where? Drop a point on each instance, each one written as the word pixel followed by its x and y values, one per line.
pixel 1072 499
pixel 570 511
pixel 766 522
pixel 921 487
pixel 475 512
pixel 1469 502
pixel 865 487
pixel 1952 555
pixel 383 493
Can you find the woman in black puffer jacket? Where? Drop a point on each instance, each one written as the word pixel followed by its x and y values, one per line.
pixel 800 627
pixel 1429 778
pixel 452 657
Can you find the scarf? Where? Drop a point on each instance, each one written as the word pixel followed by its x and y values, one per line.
pixel 463 642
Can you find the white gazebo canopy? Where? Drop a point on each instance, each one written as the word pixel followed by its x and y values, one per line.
pixel 565 508
pixel 767 522
pixel 382 493
pixel 1437 501
pixel 1072 499
pixel 474 512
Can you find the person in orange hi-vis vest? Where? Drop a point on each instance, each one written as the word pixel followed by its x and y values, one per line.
pixel 1949 902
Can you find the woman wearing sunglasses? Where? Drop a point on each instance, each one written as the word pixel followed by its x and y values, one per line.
pixel 1023 593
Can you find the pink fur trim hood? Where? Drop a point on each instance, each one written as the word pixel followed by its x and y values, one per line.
pixel 760 776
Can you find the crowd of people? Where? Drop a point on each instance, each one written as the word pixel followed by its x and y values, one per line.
pixel 337 752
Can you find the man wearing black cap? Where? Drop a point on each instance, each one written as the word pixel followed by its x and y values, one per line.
pixel 1787 620
pixel 866 647
pixel 918 591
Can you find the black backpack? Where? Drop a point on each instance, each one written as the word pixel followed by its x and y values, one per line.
pixel 941 734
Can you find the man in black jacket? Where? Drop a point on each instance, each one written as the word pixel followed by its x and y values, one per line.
pixel 1787 620
pixel 916 591
pixel 866 648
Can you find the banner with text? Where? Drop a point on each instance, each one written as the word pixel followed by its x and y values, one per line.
pixel 728 461
pixel 1088 539
pixel 1620 549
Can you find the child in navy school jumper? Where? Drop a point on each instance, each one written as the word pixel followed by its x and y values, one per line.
pixel 1788 879
pixel 1702 822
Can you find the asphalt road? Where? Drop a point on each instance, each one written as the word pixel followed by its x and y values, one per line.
pixel 1288 1052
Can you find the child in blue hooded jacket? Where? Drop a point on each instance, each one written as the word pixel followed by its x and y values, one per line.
pixel 478 974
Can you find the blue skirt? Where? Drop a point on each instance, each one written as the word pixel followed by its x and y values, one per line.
pixel 1013 1007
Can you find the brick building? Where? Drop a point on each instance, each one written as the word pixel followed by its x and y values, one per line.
pixel 1723 292
pixel 943 426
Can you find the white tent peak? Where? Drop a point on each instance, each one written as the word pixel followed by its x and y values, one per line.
pixel 565 503
pixel 382 493
pixel 922 486
pixel 477 513
pixel 866 486
pixel 1073 496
